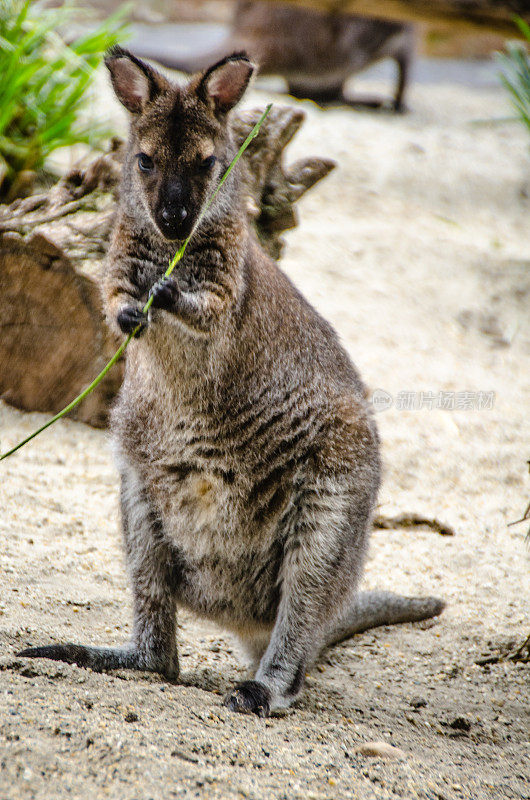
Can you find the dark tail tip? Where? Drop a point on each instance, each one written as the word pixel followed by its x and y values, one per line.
pixel 433 606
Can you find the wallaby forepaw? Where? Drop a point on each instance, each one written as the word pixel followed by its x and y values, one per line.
pixel 165 294
pixel 249 697
pixel 130 317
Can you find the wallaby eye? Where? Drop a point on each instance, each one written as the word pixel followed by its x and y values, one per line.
pixel 145 162
pixel 207 163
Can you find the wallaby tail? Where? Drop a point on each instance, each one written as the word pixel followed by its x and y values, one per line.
pixel 371 609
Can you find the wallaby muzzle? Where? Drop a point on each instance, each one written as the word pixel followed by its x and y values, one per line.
pixel 174 215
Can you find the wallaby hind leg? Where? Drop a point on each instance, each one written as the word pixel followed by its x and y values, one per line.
pixel 322 557
pixel 372 609
pixel 152 567
pixel 403 61
pixel 403 54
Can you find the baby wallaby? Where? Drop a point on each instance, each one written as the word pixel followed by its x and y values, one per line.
pixel 249 458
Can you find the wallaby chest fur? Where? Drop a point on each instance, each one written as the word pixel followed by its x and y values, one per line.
pixel 248 455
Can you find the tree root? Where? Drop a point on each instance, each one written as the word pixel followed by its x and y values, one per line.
pixel 509 652
pixel 412 520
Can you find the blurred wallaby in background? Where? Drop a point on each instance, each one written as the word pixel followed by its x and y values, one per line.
pixel 315 51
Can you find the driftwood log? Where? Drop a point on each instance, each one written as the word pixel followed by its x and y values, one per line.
pixel 53 338
pixel 494 16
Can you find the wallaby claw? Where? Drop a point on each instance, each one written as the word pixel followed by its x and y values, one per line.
pixel 130 317
pixel 249 697
pixel 164 293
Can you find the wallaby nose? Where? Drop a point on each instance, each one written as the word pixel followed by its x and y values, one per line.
pixel 173 214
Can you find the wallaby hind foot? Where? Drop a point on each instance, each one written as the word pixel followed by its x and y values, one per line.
pixel 103 659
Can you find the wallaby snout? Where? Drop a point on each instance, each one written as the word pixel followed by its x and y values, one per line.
pixel 175 215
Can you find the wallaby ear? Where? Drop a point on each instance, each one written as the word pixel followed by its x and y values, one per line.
pixel 224 83
pixel 135 83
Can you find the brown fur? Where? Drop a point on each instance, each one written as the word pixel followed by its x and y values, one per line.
pixel 249 457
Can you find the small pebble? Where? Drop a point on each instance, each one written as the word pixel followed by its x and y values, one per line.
pixel 131 716
pixel 380 750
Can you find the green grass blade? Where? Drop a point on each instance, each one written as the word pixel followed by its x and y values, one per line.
pixel 515 75
pixel 117 355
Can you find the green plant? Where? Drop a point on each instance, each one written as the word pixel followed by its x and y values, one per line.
pixel 43 86
pixel 516 73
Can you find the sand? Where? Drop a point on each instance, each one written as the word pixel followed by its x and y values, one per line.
pixel 417 249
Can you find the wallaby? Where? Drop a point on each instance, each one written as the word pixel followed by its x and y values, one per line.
pixel 315 51
pixel 248 454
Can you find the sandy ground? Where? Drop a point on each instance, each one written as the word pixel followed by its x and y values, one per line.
pixel 417 249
